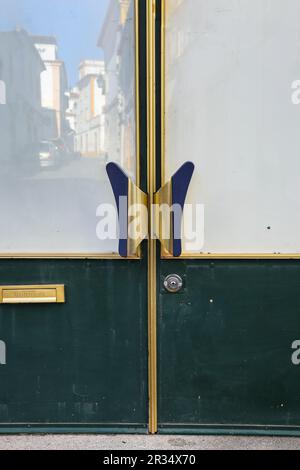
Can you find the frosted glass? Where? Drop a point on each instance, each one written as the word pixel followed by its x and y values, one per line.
pixel 231 108
pixel 67 107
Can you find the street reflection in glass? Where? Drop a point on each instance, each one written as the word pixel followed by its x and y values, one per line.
pixel 67 107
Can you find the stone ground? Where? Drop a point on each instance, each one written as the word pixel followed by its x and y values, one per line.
pixel 176 443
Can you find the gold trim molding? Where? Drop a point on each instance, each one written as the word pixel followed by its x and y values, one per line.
pixel 56 256
pixel 241 256
pixel 152 244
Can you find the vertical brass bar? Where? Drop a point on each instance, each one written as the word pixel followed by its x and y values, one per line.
pixel 151 6
pixel 137 101
pixel 163 91
pixel 137 93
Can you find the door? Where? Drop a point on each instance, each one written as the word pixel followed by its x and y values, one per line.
pixel 73 313
pixel 99 330
pixel 228 340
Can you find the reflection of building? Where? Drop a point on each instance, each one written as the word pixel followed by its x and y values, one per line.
pixel 117 39
pixel 181 39
pixel 21 117
pixel 89 118
pixel 71 112
pixel 53 82
pixel 2 91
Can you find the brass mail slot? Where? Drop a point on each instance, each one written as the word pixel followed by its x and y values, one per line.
pixel 46 294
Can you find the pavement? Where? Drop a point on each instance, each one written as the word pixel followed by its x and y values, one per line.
pixel 175 443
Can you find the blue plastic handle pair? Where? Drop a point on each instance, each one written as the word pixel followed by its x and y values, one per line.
pixel 180 184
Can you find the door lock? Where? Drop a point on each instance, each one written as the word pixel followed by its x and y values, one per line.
pixel 173 283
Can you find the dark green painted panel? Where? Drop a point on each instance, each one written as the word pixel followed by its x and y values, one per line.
pixel 84 361
pixel 225 344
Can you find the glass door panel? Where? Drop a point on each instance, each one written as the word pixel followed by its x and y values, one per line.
pixel 68 106
pixel 231 86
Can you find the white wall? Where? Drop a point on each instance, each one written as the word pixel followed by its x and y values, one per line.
pixel 47 51
pixel 47 87
pixel 2 92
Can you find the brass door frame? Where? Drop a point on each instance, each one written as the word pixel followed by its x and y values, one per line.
pixel 152 243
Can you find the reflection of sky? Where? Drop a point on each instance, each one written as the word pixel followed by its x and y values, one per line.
pixel 76 24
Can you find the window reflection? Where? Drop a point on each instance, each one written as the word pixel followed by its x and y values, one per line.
pixel 67 80
pixel 2 92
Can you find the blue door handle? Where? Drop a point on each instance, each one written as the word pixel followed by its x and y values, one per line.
pixel 173 195
pixel 127 196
